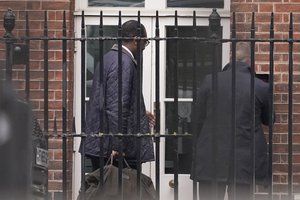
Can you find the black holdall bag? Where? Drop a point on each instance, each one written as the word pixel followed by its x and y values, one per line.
pixel 110 187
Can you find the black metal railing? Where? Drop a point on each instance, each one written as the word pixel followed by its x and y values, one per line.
pixel 213 40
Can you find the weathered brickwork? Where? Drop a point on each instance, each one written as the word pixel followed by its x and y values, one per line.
pixel 243 9
pixel 281 10
pixel 36 13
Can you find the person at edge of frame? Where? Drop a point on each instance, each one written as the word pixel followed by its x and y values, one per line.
pixel 215 138
pixel 15 145
pixel 109 104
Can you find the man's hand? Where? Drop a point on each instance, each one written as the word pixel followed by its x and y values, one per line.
pixel 116 153
pixel 151 118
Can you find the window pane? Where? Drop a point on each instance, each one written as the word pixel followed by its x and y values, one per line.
pixel 185 54
pixel 184 145
pixel 117 3
pixel 204 65
pixel 196 3
pixel 92 54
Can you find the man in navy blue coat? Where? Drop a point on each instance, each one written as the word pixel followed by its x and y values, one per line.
pixel 213 160
pixel 105 96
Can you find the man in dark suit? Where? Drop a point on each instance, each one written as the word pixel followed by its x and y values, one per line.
pixel 217 160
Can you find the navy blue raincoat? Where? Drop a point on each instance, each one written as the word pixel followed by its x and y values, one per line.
pixel 105 97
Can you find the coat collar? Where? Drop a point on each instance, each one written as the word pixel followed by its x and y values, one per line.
pixel 240 66
pixel 115 48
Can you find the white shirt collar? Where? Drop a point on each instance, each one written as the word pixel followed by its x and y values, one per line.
pixel 128 51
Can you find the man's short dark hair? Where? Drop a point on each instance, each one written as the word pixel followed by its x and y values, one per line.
pixel 243 51
pixel 131 29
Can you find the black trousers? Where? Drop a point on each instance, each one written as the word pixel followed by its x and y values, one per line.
pixel 96 162
pixel 207 191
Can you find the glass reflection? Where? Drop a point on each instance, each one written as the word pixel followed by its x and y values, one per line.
pixel 117 3
pixel 184 145
pixel 185 62
pixel 196 3
pixel 92 54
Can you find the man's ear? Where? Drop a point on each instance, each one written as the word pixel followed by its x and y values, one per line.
pixel 135 40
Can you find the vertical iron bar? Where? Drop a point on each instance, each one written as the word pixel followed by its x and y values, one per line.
pixel 175 121
pixel 46 82
pixel 83 74
pixel 64 106
pixel 233 114
pixel 271 109
pixel 46 68
pixel 290 112
pixel 194 94
pixel 55 126
pixel 101 66
pixel 120 74
pixel 252 102
pixel 64 68
pixel 82 188
pixel 120 110
pixel 64 146
pixel 83 40
pixel 139 167
pixel 214 27
pixel 101 160
pixel 8 59
pixel 27 66
pixel 9 24
pixel 214 115
pixel 157 108
pixel 139 79
pixel 138 99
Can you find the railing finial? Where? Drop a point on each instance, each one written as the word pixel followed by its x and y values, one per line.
pixel 9 23
pixel 214 23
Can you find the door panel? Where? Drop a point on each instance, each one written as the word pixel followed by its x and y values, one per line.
pixel 185 60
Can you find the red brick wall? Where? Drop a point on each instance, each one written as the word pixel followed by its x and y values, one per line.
pixel 243 9
pixel 36 11
pixel 281 9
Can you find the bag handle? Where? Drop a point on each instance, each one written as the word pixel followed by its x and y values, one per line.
pixel 126 163
pixel 111 158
